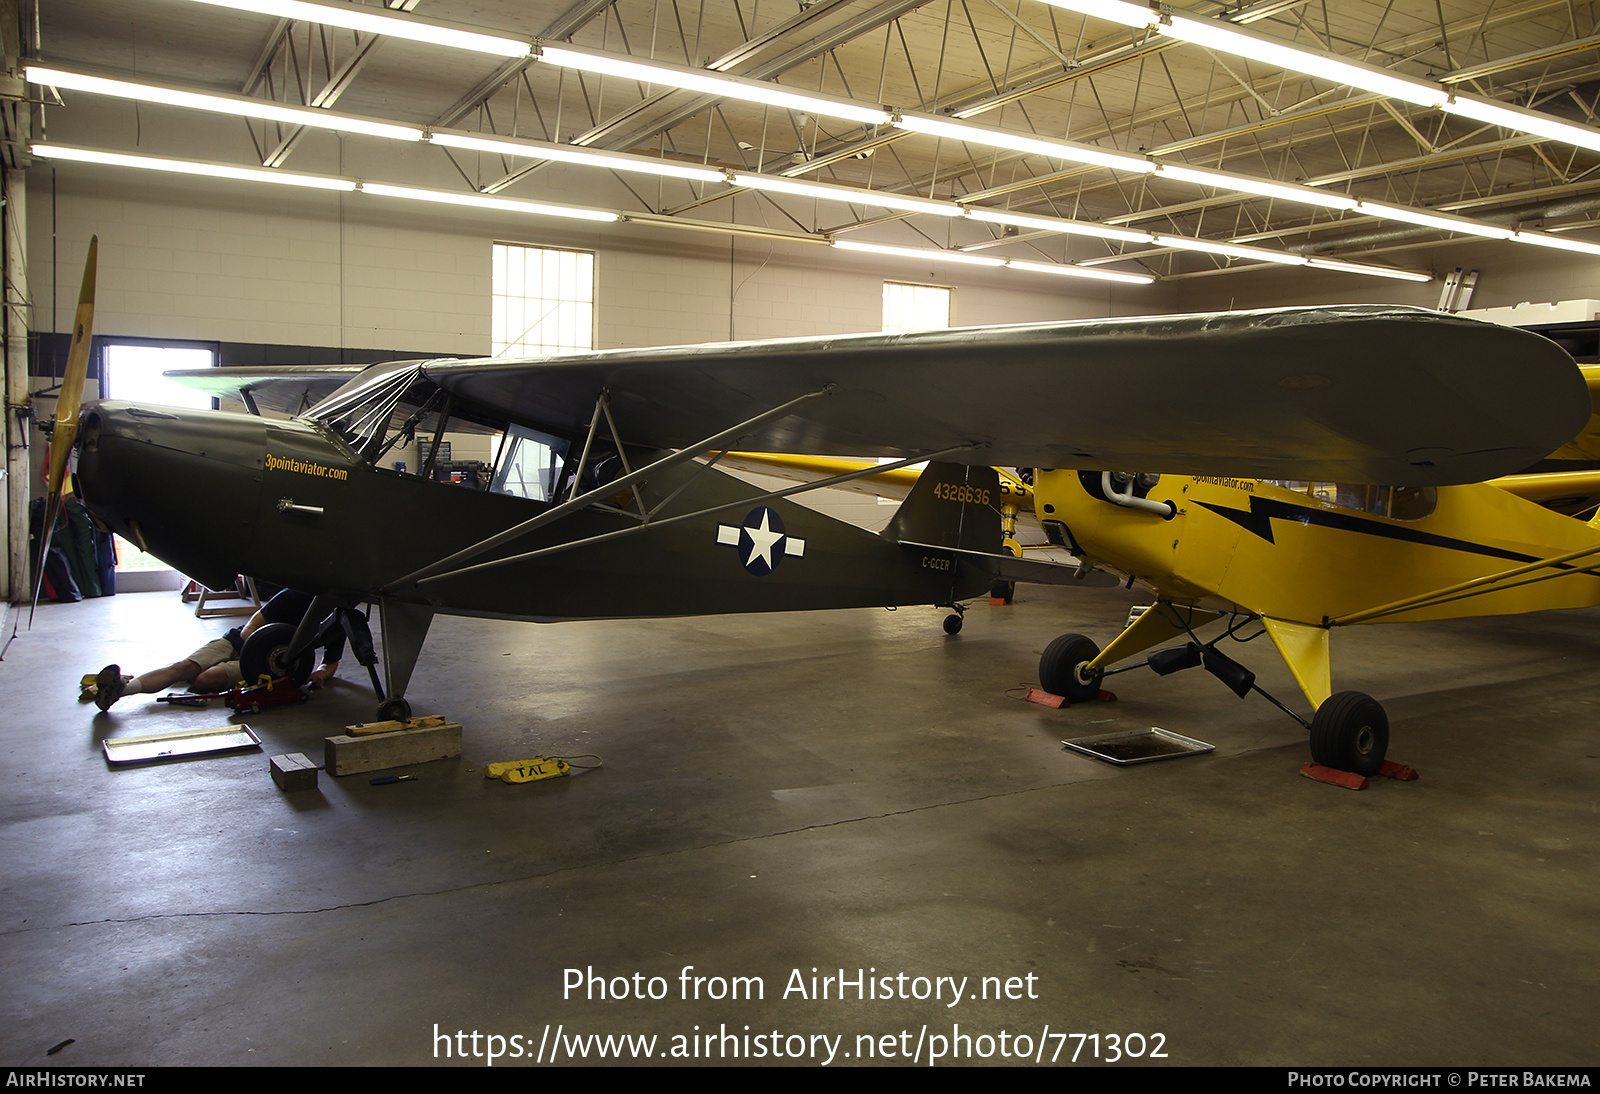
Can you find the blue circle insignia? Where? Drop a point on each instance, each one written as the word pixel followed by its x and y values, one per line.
pixel 761 541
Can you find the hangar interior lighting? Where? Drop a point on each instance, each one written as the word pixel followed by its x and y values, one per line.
pixel 711 83
pixel 1362 268
pixel 829 192
pixel 1226 38
pixel 566 153
pixel 992 137
pixel 1068 270
pixel 1523 121
pixel 1232 250
pixel 835 106
pixel 960 257
pixel 238 105
pixel 1443 222
pixel 1053 224
pixel 1231 38
pixel 957 257
pixel 191 167
pixel 483 201
pixel 1544 239
pixel 394 25
pixel 1306 195
pixel 317 182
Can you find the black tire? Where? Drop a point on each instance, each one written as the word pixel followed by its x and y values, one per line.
pixel 1003 591
pixel 1350 733
pixel 1060 664
pixel 266 653
pixel 394 710
pixel 952 624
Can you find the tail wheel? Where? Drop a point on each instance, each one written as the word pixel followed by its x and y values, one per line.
pixel 1350 733
pixel 266 653
pixel 1063 668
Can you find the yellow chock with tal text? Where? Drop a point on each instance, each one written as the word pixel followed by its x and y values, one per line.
pixel 527 771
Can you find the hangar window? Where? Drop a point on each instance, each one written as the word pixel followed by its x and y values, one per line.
pixel 133 372
pixel 543 301
pixel 914 307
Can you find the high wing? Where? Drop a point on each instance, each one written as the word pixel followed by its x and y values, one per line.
pixel 1569 492
pixel 1586 445
pixel 286 388
pixel 1373 394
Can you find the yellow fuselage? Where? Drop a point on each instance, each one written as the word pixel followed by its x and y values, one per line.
pixel 1251 545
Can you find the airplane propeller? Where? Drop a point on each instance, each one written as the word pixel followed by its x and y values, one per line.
pixel 64 434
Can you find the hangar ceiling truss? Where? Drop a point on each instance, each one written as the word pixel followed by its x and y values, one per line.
pixel 1008 70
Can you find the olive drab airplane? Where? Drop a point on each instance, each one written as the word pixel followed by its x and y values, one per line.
pixel 606 500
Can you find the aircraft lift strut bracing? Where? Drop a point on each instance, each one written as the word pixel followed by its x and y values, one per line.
pixel 404 622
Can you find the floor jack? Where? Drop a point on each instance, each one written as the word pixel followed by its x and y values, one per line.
pixel 246 698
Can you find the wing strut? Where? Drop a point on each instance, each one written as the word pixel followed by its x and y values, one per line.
pixel 621 482
pixel 1478 586
pixel 647 524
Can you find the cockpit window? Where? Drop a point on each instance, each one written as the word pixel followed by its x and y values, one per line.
pixel 528 463
pixel 1395 502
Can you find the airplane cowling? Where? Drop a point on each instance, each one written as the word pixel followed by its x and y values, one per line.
pixel 183 484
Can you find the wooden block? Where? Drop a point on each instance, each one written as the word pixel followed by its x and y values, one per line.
pixel 365 729
pixel 294 771
pixel 348 755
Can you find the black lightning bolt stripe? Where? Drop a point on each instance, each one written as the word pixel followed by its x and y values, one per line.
pixel 1263 511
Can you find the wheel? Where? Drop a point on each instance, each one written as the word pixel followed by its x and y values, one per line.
pixel 266 653
pixel 394 710
pixel 1062 668
pixel 952 624
pixel 1003 591
pixel 1350 733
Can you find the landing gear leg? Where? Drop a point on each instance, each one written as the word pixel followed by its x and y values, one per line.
pixel 1350 733
pixel 405 627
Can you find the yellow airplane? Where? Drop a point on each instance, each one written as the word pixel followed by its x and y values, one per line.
pixel 1301 558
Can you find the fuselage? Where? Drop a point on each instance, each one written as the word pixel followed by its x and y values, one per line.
pixel 217 494
pixel 1314 552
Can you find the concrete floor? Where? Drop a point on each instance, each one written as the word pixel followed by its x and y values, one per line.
pixel 844 790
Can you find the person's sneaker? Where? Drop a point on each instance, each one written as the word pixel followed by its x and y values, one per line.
pixel 89 685
pixel 108 686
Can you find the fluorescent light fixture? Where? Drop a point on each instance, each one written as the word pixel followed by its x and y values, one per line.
pixel 1053 224
pixel 1305 195
pixel 1562 243
pixel 481 201
pixel 1361 268
pixel 237 105
pixel 1112 11
pixel 829 192
pixel 1232 250
pixel 368 21
pixel 918 253
pixel 1069 270
pixel 565 153
pixel 191 167
pixel 1522 121
pixel 1228 38
pixel 712 83
pixel 991 137
pixel 1443 222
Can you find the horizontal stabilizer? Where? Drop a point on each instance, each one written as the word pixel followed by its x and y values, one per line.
pixel 1032 571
